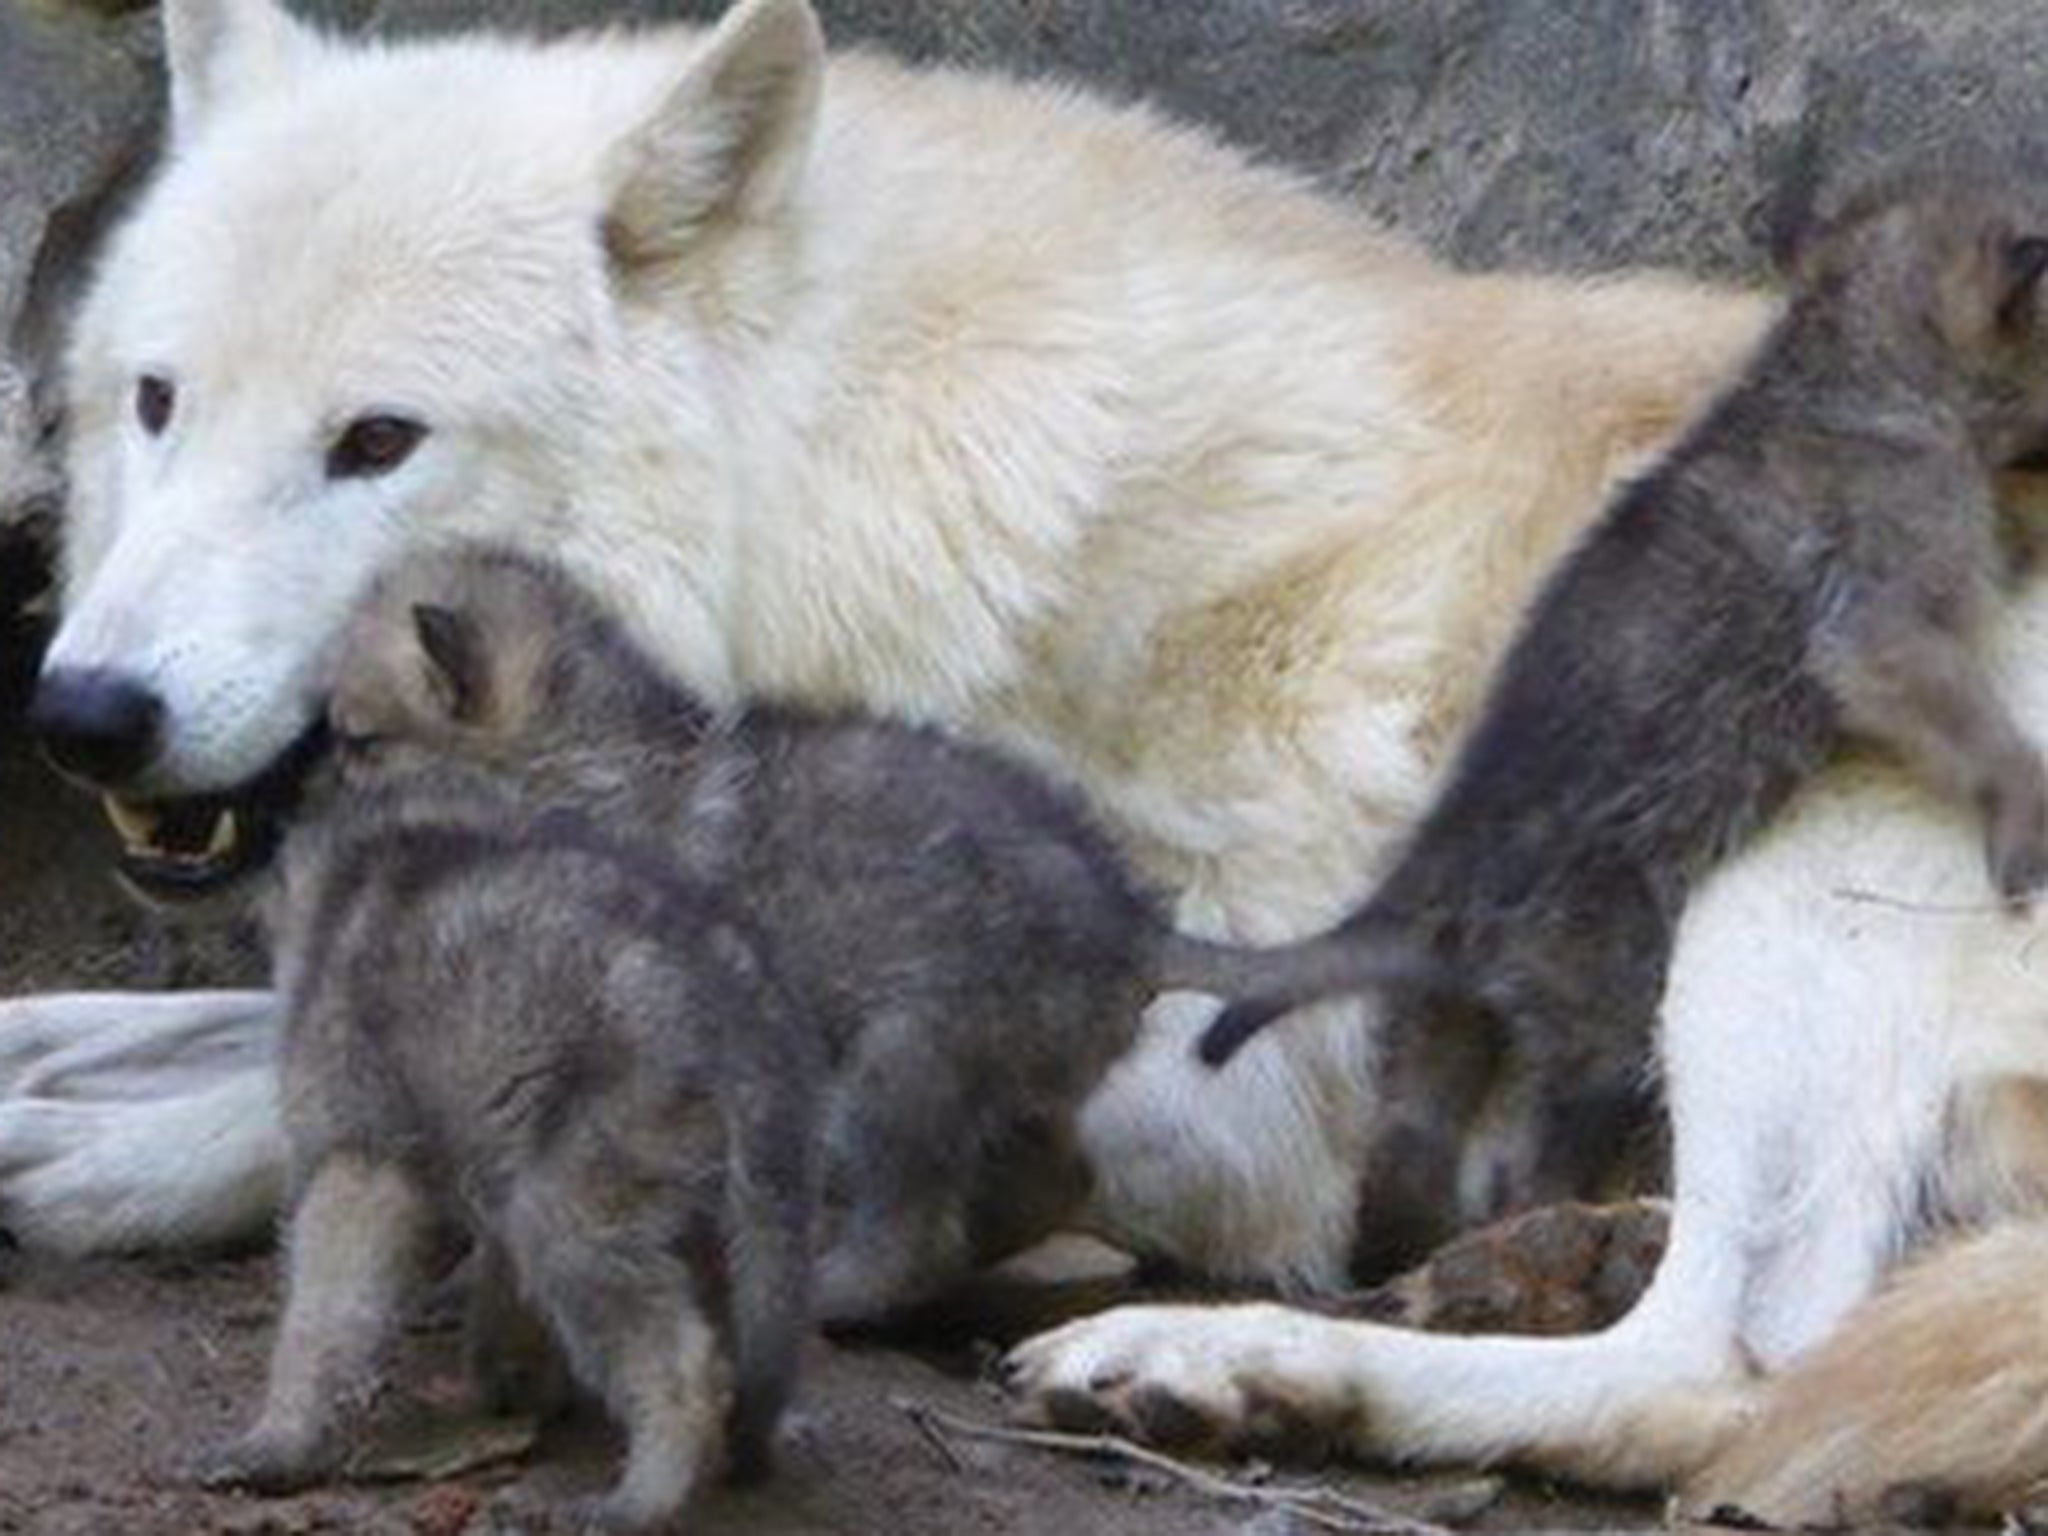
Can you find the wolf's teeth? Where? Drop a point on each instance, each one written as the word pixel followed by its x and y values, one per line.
pixel 135 824
pixel 227 832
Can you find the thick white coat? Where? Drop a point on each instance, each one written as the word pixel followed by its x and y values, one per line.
pixel 988 404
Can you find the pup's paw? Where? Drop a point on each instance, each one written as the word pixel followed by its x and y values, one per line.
pixel 265 1461
pixel 619 1514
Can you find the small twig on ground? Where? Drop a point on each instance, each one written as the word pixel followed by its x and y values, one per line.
pixel 921 1421
pixel 1321 1507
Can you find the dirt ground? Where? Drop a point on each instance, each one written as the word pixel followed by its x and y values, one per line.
pixel 114 1377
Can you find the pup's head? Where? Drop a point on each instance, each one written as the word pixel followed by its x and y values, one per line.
pixel 1943 266
pixel 493 658
pixel 382 295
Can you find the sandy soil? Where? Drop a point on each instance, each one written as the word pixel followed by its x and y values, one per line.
pixel 117 1377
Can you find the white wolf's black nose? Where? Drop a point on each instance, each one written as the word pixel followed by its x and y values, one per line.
pixel 96 725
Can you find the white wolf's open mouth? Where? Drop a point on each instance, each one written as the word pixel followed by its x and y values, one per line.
pixel 185 849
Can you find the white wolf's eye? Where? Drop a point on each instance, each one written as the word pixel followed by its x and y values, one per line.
pixel 373 445
pixel 154 398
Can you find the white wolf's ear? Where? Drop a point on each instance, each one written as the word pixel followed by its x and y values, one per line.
pixel 730 140
pixel 218 49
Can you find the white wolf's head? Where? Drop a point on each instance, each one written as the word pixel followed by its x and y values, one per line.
pixel 378 296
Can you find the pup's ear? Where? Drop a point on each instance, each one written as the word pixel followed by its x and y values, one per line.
pixel 218 49
pixel 729 142
pixel 455 660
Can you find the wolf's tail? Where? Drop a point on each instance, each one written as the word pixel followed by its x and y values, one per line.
pixel 1366 953
pixel 1935 1388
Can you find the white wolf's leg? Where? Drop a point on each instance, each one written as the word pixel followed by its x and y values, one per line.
pixel 1804 1054
pixel 112 1045
pixel 1652 1397
pixel 138 1129
pixel 1603 1406
pixel 1611 1407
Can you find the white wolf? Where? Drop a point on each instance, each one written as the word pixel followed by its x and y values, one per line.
pixel 968 400
pixel 1855 1054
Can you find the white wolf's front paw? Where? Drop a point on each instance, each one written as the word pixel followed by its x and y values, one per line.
pixel 1204 1378
pixel 114 1176
pixel 130 1045
pixel 33 1030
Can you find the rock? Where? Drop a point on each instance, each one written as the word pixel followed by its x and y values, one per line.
pixel 1585 135
pixel 78 106
pixel 1562 1269
pixel 1275 1522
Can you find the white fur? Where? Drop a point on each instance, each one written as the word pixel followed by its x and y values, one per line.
pixel 986 404
pixel 937 394
pixel 131 1117
pixel 1836 992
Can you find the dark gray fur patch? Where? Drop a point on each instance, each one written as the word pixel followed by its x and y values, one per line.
pixel 1809 563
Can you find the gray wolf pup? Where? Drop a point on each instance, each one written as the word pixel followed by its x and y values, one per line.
pixel 585 1059
pixel 1809 564
pixel 962 939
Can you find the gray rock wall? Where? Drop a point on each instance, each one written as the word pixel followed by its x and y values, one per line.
pixel 1566 133
pixel 1560 132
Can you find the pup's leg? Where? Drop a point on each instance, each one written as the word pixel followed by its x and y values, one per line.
pixel 887 1259
pixel 1577 996
pixel 627 1315
pixel 902 1156
pixel 357 1242
pixel 511 1359
pixel 1923 693
pixel 1440 1062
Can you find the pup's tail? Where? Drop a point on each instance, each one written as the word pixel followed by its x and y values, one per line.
pixel 1366 953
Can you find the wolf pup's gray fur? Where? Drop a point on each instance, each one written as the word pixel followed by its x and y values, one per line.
pixel 582 1057
pixel 959 935
pixel 1807 564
